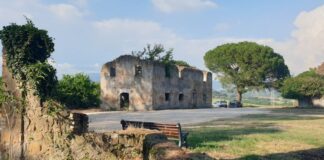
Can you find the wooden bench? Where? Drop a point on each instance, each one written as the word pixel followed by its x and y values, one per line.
pixel 170 130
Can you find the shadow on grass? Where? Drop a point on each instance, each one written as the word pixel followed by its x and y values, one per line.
pixel 199 156
pixel 311 154
pixel 229 129
pixel 200 137
pixel 267 118
pixel 279 116
pixel 299 111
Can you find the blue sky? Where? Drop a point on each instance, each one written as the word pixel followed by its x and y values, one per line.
pixel 89 33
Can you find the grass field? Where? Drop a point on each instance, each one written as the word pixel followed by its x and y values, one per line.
pixel 284 134
pixel 261 102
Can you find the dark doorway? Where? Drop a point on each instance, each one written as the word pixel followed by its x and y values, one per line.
pixel 124 101
pixel 181 97
pixel 167 96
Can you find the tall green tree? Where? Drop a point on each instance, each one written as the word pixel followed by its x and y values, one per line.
pixel 78 91
pixel 304 87
pixel 247 65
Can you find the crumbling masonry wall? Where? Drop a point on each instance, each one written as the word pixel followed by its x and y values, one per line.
pixel 139 88
pixel 153 86
pixel 319 102
pixel 187 88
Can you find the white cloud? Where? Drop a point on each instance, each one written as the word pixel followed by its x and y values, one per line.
pixel 125 35
pixel 169 6
pixel 125 28
pixel 85 42
pixel 131 35
pixel 305 48
pixel 65 11
pixel 65 68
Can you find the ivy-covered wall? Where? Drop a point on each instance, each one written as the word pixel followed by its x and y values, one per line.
pixel 27 50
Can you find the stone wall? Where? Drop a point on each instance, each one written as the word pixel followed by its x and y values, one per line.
pixel 32 132
pixel 187 88
pixel 139 88
pixel 318 102
pixel 320 69
pixel 157 87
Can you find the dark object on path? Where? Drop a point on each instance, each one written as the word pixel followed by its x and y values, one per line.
pixel 170 130
pixel 234 104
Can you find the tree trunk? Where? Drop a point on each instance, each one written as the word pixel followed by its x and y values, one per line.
pixel 305 102
pixel 239 97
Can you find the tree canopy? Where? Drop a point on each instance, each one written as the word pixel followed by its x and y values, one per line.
pixel 78 91
pixel 27 49
pixel 181 63
pixel 160 54
pixel 247 65
pixel 304 87
pixel 155 53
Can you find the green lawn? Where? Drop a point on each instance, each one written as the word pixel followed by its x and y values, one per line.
pixel 261 102
pixel 283 134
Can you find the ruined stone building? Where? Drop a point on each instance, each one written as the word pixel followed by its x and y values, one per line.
pixel 319 101
pixel 320 69
pixel 129 83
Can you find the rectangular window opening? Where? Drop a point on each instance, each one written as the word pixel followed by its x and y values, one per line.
pixel 112 71
pixel 167 96
pixel 204 98
pixel 138 70
pixel 167 71
pixel 181 96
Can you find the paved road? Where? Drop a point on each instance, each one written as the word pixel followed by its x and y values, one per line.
pixel 108 121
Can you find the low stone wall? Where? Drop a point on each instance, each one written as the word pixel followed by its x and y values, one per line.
pixel 318 102
pixel 128 144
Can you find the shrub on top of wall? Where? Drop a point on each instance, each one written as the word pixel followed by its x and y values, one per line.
pixel 27 50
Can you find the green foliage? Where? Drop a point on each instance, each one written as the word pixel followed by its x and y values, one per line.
pixel 27 49
pixel 42 77
pixel 78 91
pixel 155 54
pixel 181 63
pixel 159 54
pixel 7 100
pixel 304 86
pixel 247 65
pixel 53 107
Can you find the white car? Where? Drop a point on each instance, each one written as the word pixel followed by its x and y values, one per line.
pixel 220 104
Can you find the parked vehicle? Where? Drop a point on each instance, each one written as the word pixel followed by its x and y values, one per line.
pixel 234 104
pixel 220 104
